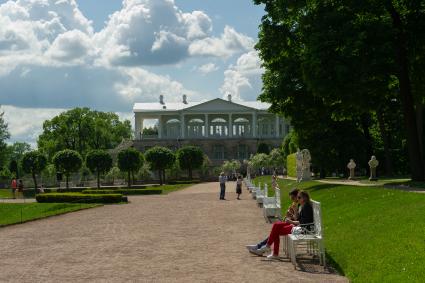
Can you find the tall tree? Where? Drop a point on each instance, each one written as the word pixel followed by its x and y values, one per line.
pixel 82 129
pixel 349 57
pixel 4 135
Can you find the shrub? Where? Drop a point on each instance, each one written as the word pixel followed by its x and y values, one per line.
pixel 291 164
pixel 34 163
pixel 99 162
pixel 125 192
pixel 160 158
pixel 80 198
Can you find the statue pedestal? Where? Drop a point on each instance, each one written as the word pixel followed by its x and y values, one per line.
pixel 373 175
pixel 306 175
pixel 352 175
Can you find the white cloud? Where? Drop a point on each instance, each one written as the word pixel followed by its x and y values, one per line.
pixel 51 59
pixel 208 68
pixel 243 80
pixel 25 124
pixel 230 43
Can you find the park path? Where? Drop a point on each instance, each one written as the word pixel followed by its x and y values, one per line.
pixel 186 236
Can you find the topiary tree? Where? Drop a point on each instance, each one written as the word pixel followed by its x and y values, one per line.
pixel 130 160
pixel 14 168
pixel 67 161
pixel 189 158
pixel 99 162
pixel 33 163
pixel 276 158
pixel 160 158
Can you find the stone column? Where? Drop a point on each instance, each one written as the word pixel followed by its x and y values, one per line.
pixel 277 130
pixel 137 126
pixel 160 127
pixel 254 124
pixel 230 129
pixel 207 126
pixel 182 127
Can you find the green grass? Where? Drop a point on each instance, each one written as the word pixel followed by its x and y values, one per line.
pixel 5 193
pixel 23 212
pixel 372 234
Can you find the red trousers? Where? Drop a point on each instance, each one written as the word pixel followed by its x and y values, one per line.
pixel 278 229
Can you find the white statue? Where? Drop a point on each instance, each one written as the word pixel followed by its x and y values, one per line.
pixel 306 164
pixel 373 163
pixel 351 166
pixel 299 164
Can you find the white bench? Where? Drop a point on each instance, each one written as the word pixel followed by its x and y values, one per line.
pixel 260 196
pixel 271 205
pixel 255 190
pixel 313 239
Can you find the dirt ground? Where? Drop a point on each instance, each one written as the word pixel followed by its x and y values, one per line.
pixel 186 236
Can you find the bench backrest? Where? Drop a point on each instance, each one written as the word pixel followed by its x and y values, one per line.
pixel 317 214
pixel 277 196
pixel 266 191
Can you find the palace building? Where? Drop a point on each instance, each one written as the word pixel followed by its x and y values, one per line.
pixel 224 129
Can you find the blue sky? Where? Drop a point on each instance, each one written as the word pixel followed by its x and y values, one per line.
pixel 59 54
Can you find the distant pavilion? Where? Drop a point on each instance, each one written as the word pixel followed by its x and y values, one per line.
pixel 224 129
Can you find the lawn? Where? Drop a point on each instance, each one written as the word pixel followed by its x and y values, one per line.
pixel 5 193
pixel 23 212
pixel 372 234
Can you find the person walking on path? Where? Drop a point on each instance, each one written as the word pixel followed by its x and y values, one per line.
pixel 222 180
pixel 14 186
pixel 239 186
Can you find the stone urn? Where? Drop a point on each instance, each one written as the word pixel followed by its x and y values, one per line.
pixel 351 166
pixel 373 164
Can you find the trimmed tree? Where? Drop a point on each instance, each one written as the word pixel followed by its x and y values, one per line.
pixel 130 160
pixel 33 163
pixel 160 158
pixel 67 161
pixel 190 158
pixel 99 162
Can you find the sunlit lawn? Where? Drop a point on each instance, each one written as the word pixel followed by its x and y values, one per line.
pixel 372 234
pixel 22 212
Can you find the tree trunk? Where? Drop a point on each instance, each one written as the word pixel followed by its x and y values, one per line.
pixel 365 122
pixel 190 173
pixel 67 183
pixel 129 179
pixel 385 138
pixel 400 41
pixel 35 183
pixel 163 176
pixel 420 124
pixel 98 179
pixel 160 176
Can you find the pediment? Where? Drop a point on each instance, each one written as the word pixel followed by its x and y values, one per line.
pixel 218 104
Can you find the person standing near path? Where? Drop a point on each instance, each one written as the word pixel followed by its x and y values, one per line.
pixel 239 186
pixel 222 180
pixel 14 186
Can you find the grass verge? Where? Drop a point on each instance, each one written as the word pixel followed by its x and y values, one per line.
pixel 24 212
pixel 372 234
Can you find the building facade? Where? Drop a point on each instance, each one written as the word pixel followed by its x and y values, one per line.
pixel 224 129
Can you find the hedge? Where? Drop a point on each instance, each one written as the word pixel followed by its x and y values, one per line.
pixel 80 198
pixel 291 164
pixel 125 192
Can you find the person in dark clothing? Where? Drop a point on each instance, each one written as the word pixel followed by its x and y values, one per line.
pixel 285 228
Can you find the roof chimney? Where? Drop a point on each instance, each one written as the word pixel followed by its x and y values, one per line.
pixel 184 98
pixel 229 97
pixel 161 99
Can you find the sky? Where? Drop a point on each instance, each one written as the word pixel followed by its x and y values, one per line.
pixel 107 55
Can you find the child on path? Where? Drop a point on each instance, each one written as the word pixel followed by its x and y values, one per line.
pixel 239 186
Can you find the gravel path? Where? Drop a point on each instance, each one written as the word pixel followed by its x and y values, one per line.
pixel 186 236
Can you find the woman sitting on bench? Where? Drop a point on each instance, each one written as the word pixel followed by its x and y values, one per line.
pixel 286 227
